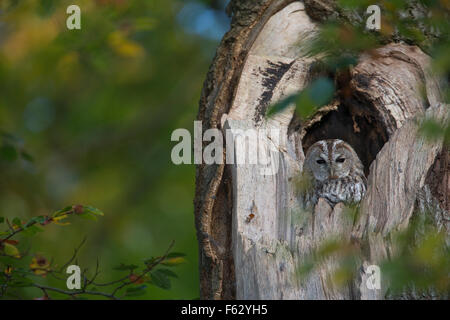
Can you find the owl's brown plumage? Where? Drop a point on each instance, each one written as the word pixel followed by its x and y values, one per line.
pixel 336 171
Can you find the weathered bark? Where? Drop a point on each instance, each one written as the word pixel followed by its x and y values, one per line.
pixel 258 63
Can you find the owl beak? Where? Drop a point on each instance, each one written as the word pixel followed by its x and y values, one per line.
pixel 332 174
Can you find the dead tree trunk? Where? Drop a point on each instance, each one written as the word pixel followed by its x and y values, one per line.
pixel 257 64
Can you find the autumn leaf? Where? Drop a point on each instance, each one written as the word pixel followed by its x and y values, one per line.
pixel 123 46
pixel 13 242
pixel 174 261
pixel 134 278
pixel 57 220
pixel 40 265
pixel 10 250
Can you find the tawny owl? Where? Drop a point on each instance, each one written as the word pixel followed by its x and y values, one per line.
pixel 337 173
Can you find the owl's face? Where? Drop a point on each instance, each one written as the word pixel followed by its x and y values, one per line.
pixel 330 159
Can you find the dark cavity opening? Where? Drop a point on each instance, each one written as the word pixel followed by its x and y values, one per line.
pixel 360 129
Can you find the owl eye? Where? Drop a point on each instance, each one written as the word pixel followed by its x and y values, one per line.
pixel 320 161
pixel 340 160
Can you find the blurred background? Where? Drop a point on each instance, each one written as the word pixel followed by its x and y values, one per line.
pixel 86 118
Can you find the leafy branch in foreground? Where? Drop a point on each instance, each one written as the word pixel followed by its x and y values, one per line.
pixel 131 285
pixel 14 277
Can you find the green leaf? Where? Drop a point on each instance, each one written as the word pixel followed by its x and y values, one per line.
pixel 170 262
pixel 31 231
pixel 328 248
pixel 94 211
pixel 135 294
pixel 11 250
pixel 135 291
pixel 88 216
pixel 25 155
pixel 46 8
pixel 160 280
pixel 168 273
pixel 17 222
pixel 8 153
pixel 21 282
pixel 175 255
pixel 38 219
pixel 305 268
pixel 2 219
pixel 321 91
pixel 137 288
pixel 124 267
pixel 64 210
pixel 433 130
pixel 283 104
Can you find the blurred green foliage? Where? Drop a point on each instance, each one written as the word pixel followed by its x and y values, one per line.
pixel 94 109
pixel 317 94
pixel 17 275
pixel 422 259
pixel 86 117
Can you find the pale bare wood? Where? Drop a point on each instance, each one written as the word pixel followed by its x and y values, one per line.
pixel 268 249
pixel 392 86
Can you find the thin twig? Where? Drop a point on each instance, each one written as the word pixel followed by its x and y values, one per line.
pixel 27 225
pixel 97 272
pixel 147 270
pixel 110 283
pixel 75 253
pixel 74 293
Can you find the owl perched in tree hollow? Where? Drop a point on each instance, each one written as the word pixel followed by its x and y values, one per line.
pixel 337 173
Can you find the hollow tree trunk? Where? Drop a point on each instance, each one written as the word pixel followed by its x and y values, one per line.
pixel 258 63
